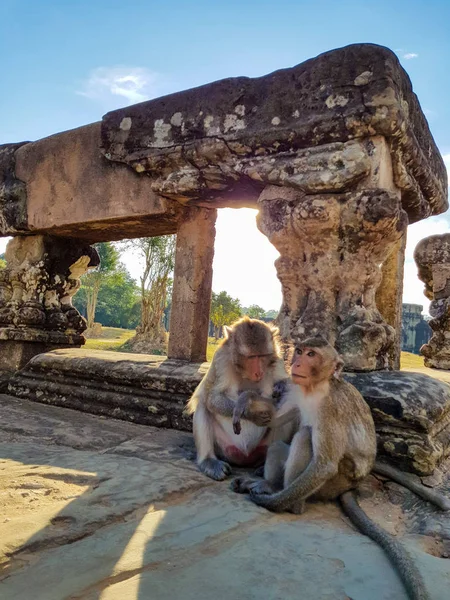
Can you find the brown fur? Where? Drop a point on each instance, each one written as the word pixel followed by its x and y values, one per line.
pixel 227 381
pixel 333 449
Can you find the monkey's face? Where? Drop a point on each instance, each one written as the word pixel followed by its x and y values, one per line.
pixel 255 366
pixel 311 365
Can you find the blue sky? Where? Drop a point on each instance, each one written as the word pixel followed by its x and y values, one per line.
pixel 64 63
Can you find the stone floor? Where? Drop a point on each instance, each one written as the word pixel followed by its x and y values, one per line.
pixel 94 508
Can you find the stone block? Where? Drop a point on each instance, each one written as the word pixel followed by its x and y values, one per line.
pixel 151 390
pixel 412 417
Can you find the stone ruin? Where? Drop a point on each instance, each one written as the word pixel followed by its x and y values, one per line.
pixel 432 256
pixel 337 156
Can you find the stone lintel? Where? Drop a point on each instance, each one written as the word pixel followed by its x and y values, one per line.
pixel 204 143
pixel 63 186
pixel 191 297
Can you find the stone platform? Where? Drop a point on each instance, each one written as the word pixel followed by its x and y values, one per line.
pixel 411 410
pixel 96 508
pixel 141 388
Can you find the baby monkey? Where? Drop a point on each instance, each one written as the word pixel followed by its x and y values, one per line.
pixel 333 449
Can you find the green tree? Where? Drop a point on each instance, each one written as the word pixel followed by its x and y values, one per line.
pixel 255 312
pixel 93 280
pixel 2 263
pixel 158 255
pixel 271 314
pixel 118 303
pixel 224 310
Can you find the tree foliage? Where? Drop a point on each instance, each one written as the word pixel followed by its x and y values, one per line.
pixel 118 303
pixel 224 310
pixel 255 312
pixel 94 279
pixel 271 314
pixel 2 263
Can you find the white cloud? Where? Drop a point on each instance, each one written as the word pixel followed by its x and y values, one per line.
pixel 112 84
pixel 410 55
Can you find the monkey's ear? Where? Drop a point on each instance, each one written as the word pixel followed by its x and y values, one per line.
pixel 227 331
pixel 338 370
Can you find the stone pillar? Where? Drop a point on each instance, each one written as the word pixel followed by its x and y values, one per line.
pixel 36 289
pixel 331 247
pixel 191 298
pixel 389 296
pixel 432 256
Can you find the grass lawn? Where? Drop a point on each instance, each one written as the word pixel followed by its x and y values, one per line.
pixel 410 361
pixel 112 338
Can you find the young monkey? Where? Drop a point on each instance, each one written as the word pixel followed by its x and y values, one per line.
pixel 333 449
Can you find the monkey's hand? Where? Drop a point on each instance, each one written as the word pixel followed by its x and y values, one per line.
pixel 279 389
pixel 253 407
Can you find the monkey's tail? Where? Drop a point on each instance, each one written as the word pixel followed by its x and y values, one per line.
pixel 399 556
pixel 406 481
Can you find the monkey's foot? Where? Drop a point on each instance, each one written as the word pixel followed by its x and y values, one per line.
pixel 215 468
pixel 298 508
pixel 261 487
pixel 241 485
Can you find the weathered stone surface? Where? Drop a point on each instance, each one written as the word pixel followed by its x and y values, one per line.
pixel 389 296
pixel 344 127
pixel 331 248
pixel 67 188
pixel 412 417
pixel 432 256
pixel 82 519
pixel 13 198
pixel 228 137
pixel 191 297
pixel 151 390
pixel 411 410
pixel 36 290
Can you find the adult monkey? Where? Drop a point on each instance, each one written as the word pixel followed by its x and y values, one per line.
pixel 333 449
pixel 242 376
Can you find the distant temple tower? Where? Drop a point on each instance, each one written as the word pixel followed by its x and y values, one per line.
pixel 415 329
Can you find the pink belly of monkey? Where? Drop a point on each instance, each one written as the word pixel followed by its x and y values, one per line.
pixel 237 457
pixel 244 450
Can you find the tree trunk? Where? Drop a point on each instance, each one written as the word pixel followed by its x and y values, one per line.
pixel 91 302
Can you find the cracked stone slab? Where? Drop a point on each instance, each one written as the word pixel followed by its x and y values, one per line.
pixel 301 127
pixel 215 543
pixel 137 520
pixel 64 495
pixel 23 421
